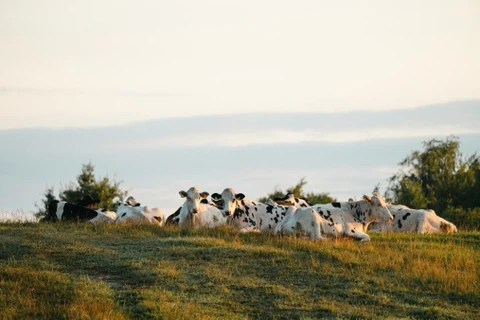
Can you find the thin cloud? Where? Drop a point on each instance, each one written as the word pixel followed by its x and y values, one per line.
pixel 243 139
pixel 89 92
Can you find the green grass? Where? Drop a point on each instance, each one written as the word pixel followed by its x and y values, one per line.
pixel 81 271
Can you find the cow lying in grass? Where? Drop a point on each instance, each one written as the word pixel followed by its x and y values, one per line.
pixel 352 218
pixel 132 211
pixel 305 221
pixel 341 219
pixel 196 213
pixel 414 220
pixel 65 211
pixel 248 215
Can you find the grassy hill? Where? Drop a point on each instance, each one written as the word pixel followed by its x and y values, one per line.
pixel 81 271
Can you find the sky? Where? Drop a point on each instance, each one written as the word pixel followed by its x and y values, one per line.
pixel 101 63
pixel 166 95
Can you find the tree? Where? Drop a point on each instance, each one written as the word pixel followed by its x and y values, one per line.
pixel 86 185
pixel 42 209
pixel 437 177
pixel 297 190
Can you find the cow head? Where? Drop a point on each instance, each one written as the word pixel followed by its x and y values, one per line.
pixel 88 201
pixel 378 210
pixel 291 200
pixel 193 199
pixel 229 200
pixel 131 201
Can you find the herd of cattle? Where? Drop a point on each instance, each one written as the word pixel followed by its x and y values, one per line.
pixel 281 215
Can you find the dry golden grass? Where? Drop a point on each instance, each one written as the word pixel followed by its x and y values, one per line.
pixel 81 271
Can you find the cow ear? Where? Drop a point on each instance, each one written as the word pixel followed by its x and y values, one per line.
pixel 204 194
pixel 239 196
pixel 216 197
pixel 183 194
pixel 367 198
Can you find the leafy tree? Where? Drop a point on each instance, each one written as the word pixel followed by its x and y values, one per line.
pixel 297 190
pixel 438 178
pixel 43 208
pixel 86 184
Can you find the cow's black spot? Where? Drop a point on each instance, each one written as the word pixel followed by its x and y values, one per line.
pixel 269 209
pixel 256 209
pixel 336 204
pixel 399 224
pixel 406 216
pixel 124 214
pixel 353 231
pixel 238 213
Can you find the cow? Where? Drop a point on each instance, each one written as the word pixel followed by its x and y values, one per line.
pixel 131 201
pixel 352 218
pixel 65 211
pixel 195 213
pixel 104 216
pixel 248 215
pixel 302 221
pixel 172 219
pixel 291 200
pixel 405 219
pixel 139 214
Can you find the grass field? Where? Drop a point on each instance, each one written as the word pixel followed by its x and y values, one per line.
pixel 81 271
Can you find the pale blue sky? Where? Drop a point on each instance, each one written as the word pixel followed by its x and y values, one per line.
pixel 99 63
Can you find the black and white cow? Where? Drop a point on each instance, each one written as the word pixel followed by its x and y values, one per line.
pixel 173 219
pixel 195 213
pixel 145 214
pixel 303 221
pixel 249 215
pixel 406 219
pixel 65 211
pixel 104 216
pixel 132 211
pixel 353 218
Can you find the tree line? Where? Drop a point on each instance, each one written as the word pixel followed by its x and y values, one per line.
pixel 437 177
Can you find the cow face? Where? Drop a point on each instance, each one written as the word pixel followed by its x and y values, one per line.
pixel 378 208
pixel 229 200
pixel 193 199
pixel 131 201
